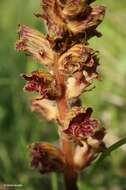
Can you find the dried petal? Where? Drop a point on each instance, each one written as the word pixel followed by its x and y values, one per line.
pixel 75 87
pixel 82 126
pixel 76 58
pixel 46 157
pixel 52 13
pixel 83 156
pixel 36 44
pixel 43 83
pixel 74 8
pixel 90 22
pixel 91 73
pixel 89 149
pixel 46 108
pixel 84 75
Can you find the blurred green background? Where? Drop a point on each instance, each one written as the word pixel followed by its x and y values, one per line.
pixel 19 127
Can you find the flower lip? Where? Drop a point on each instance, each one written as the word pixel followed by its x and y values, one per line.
pixel 82 126
pixel 81 116
pixel 35 75
pixel 42 82
pixel 37 81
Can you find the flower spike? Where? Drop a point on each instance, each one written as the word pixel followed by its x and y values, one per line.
pixel 71 66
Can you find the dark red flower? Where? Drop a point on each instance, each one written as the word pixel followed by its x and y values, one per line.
pixel 41 82
pixel 46 157
pixel 82 125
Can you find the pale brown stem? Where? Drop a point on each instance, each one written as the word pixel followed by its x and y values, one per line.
pixel 61 102
pixel 70 175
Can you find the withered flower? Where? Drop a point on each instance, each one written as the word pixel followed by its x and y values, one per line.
pixel 43 83
pixel 76 59
pixel 82 69
pixel 73 8
pixel 52 14
pixel 45 107
pixel 93 18
pixel 87 135
pixel 81 125
pixel 46 157
pixel 35 43
pixel 76 85
pixel 69 22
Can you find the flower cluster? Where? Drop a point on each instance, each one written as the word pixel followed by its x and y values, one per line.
pixel 71 66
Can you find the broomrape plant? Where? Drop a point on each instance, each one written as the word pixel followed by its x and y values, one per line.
pixel 71 66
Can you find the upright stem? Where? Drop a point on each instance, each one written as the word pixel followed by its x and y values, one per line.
pixel 71 181
pixel 70 175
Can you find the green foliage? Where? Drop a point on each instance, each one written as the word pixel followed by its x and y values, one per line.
pixel 19 127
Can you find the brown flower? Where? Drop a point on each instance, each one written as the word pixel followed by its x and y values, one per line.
pixel 46 157
pixel 43 83
pixel 82 126
pixel 47 108
pixel 76 85
pixel 52 14
pixel 73 8
pixel 76 59
pixel 35 43
pixel 84 71
pixel 89 22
